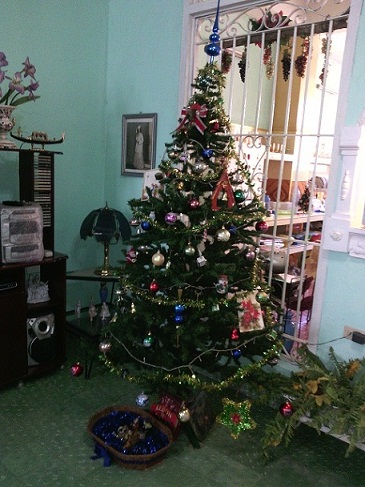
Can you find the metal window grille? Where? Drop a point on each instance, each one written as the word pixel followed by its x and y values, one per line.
pixel 283 68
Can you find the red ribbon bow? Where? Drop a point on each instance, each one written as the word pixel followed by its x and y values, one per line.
pixel 194 114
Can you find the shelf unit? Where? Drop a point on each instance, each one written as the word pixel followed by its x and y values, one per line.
pixel 33 335
pixel 27 350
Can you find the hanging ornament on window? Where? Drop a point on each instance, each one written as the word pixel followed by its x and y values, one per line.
pixel 242 66
pixel 226 61
pixel 301 61
pixel 286 62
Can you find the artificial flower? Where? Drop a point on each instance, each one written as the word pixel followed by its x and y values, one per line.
pixel 18 92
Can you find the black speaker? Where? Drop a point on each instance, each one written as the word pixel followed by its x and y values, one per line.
pixel 41 339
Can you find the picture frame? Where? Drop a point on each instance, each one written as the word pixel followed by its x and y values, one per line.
pixel 138 143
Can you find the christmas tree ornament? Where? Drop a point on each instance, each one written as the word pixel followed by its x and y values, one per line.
pixel 189 250
pixel 131 256
pixel 213 49
pixel 158 259
pixel 222 285
pixel 173 154
pixel 201 260
pixel 144 249
pixel 236 353
pixel 180 185
pixel 235 335
pixel 262 297
pixel 223 185
pixel 194 203
pixel 148 340
pixel 142 400
pixel 179 309
pixel 286 409
pixel 105 346
pixel 199 167
pixel 236 416
pixel 262 226
pixel 184 414
pixel 178 318
pixel 76 369
pixel 223 235
pixel 154 286
pixel 240 195
pixel 171 218
pixel 158 176
pixel 134 222
pixel 146 225
pixel 250 255
pixel 207 153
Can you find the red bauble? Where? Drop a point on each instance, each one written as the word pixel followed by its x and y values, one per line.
pixel 76 369
pixel 235 335
pixel 286 409
pixel 261 226
pixel 154 287
pixel 194 203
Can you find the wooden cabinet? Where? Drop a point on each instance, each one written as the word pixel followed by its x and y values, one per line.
pixel 32 335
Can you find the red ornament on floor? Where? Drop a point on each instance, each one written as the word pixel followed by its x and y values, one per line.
pixel 76 369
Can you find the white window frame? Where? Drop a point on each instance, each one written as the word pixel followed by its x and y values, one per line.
pixel 342 230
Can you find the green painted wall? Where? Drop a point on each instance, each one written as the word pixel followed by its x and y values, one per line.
pixel 96 60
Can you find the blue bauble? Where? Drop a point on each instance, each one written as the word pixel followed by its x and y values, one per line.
pixel 179 309
pixel 207 153
pixel 214 38
pixel 146 225
pixel 178 318
pixel 236 353
pixel 212 49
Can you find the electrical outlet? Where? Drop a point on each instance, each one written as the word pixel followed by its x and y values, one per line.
pixel 348 331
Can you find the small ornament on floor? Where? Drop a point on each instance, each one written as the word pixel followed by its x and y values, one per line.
pixel 76 369
pixel 236 416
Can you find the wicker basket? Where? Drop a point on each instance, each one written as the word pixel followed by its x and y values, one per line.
pixel 132 461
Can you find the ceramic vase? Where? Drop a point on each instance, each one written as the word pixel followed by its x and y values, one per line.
pixel 6 125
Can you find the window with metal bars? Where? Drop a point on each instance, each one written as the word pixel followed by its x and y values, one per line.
pixel 283 67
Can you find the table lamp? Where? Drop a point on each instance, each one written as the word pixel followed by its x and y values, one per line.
pixel 107 226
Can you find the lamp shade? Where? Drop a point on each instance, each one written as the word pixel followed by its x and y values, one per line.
pixel 105 224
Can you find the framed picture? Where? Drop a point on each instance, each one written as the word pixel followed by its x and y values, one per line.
pixel 138 143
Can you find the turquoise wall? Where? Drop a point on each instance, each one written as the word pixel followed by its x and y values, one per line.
pixel 96 60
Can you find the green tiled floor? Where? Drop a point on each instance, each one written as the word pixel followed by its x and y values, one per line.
pixel 44 442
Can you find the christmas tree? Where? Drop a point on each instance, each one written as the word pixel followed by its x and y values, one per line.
pixel 195 309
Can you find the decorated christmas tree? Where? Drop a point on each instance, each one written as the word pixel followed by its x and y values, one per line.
pixel 194 307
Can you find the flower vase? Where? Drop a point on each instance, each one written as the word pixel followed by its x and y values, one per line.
pixel 6 125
